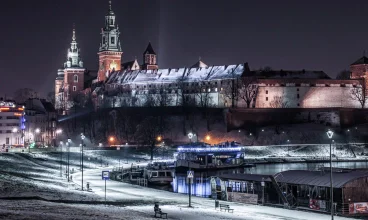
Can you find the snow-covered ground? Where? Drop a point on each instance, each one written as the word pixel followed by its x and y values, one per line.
pixel 23 177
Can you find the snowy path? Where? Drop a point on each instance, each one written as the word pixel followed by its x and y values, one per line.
pixel 142 200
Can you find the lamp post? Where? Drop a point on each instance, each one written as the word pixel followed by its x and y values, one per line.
pixel 15 130
pixel 37 132
pixel 82 138
pixel 68 145
pixel 61 158
pixel 190 136
pixel 329 135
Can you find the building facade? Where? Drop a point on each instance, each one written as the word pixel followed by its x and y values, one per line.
pixel 12 125
pixel 41 119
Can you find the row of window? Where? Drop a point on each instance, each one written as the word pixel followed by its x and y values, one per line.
pixel 11 117
pixel 189 84
pixel 9 124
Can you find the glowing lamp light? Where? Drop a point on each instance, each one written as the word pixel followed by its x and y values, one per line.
pixel 59 131
pixel 15 130
pixel 37 130
pixel 329 134
pixel 190 135
pixel 82 136
pixel 159 138
pixel 208 137
pixel 111 139
pixel 69 140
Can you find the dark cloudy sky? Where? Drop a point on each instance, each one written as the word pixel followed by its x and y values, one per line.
pixel 287 34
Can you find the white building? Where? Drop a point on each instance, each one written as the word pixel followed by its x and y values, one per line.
pixel 11 125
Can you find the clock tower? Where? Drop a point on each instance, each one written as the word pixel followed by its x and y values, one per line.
pixel 110 49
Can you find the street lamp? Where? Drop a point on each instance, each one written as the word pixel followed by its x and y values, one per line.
pixel 329 135
pixel 82 140
pixel 190 136
pixel 208 138
pixel 37 132
pixel 15 130
pixel 111 139
pixel 61 159
pixel 159 138
pixel 68 145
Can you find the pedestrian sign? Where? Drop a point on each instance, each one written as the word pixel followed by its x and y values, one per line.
pixel 190 174
pixel 105 175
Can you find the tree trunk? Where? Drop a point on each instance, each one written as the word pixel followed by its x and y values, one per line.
pixel 152 147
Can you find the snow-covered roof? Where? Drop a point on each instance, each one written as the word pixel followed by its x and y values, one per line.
pixel 174 75
pixel 320 178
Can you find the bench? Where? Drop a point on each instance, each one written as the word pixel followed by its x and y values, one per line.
pixel 226 208
pixel 160 213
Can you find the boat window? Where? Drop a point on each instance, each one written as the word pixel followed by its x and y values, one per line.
pixel 161 173
pixel 168 174
pixel 154 174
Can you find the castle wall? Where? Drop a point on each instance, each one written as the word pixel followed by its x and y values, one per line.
pixel 319 96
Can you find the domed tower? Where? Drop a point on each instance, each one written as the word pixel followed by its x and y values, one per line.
pixel 149 58
pixel 110 49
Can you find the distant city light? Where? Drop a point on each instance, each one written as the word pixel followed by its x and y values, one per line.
pixel 208 137
pixel 59 131
pixel 15 130
pixel 159 138
pixel 37 130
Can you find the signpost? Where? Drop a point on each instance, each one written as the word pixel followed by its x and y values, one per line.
pixel 105 176
pixel 190 175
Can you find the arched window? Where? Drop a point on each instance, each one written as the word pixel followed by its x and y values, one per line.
pixel 75 78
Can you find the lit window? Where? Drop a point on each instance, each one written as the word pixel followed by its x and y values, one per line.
pixel 74 88
pixel 216 89
pixel 75 78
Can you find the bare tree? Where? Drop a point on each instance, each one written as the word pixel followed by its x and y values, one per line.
pixel 148 131
pixel 344 74
pixel 21 95
pixel 204 100
pixel 51 97
pixel 231 87
pixel 278 102
pixel 248 90
pixel 359 93
pixel 163 98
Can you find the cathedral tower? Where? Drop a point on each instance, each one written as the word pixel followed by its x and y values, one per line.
pixel 149 58
pixel 73 74
pixel 110 48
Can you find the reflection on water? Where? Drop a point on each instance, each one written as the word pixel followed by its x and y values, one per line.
pixel 201 182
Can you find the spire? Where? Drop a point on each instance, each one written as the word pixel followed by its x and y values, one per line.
pixel 149 49
pixel 363 53
pixel 109 5
pixel 73 56
pixel 74 38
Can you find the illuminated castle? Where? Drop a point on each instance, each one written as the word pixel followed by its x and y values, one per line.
pixel 117 84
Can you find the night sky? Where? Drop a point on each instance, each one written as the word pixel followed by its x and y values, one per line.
pixel 315 35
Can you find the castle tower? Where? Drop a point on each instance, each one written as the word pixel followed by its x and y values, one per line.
pixel 110 48
pixel 359 69
pixel 150 58
pixel 73 73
